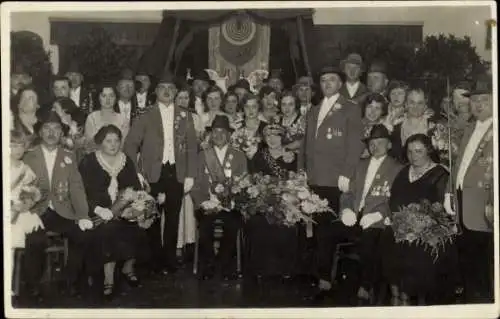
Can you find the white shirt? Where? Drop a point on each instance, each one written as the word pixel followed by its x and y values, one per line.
pixel 167 118
pixel 142 99
pixel 476 137
pixel 199 107
pixel 75 95
pixel 326 106
pixel 370 176
pixel 304 109
pixel 125 108
pixel 50 161
pixel 352 88
pixel 221 153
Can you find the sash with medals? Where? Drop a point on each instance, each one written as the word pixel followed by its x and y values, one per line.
pixel 214 167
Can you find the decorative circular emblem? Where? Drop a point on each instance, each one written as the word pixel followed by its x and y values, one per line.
pixel 239 30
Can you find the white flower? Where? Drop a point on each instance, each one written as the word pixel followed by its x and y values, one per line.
pixel 230 157
pixel 161 198
pixel 219 188
pixel 62 165
pixel 288 157
pixel 183 114
pixel 67 160
pixel 228 165
pixel 304 194
pixel 210 204
pixel 337 106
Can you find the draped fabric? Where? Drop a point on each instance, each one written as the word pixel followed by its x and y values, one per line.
pixel 180 27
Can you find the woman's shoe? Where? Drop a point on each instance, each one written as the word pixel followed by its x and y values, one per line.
pixel 108 292
pixel 132 279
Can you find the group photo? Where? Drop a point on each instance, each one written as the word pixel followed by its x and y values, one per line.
pixel 239 157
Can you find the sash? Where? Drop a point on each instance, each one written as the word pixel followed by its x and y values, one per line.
pixel 213 166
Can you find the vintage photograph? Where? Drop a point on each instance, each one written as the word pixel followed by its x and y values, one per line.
pixel 231 155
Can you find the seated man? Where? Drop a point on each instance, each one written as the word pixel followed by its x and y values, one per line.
pixel 63 208
pixel 368 199
pixel 218 164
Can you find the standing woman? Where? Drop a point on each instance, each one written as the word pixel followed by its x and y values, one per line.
pixel 185 98
pixel 418 120
pixel 107 113
pixel 232 108
pixel 410 269
pixel 25 114
pixel 292 121
pixel 106 172
pixel 374 112
pixel 269 100
pixel 212 100
pixel 396 94
pixel 252 126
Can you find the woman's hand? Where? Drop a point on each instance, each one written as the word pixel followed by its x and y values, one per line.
pixel 251 150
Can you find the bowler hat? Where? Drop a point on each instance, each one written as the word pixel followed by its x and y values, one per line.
pixel 378 131
pixel 45 117
pixel 353 58
pixel 220 121
pixel 202 76
pixel 168 78
pixel 73 67
pixel 378 66
pixel 127 74
pixel 330 70
pixel 483 85
pixel 142 72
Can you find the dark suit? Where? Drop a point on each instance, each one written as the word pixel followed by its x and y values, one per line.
pixel 333 152
pixel 476 242
pixel 150 101
pixel 359 97
pixel 235 161
pixel 144 145
pixel 375 201
pixel 69 201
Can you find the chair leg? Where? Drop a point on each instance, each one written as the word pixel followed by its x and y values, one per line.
pixel 49 268
pixel 66 251
pixel 238 252
pixel 335 263
pixel 196 252
pixel 17 270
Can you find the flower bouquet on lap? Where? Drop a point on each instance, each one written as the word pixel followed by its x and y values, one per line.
pixel 426 225
pixel 23 221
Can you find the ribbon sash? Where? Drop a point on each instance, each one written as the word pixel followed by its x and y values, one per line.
pixel 214 166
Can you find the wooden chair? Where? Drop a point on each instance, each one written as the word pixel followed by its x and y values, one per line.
pixel 217 235
pixel 343 251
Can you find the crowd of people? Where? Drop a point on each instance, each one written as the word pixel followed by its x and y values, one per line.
pixel 368 149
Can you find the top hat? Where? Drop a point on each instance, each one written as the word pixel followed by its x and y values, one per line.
pixel 127 74
pixel 483 85
pixel 168 78
pixel 378 66
pixel 330 70
pixel 73 67
pixel 220 121
pixel 378 131
pixel 202 76
pixel 353 58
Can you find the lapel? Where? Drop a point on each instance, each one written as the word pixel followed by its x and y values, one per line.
pixel 362 178
pixel 57 170
pixel 40 167
pixel 341 101
pixel 476 153
pixel 469 129
pixel 157 120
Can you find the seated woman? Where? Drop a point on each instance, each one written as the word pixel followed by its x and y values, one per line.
pixel 105 173
pixel 272 249
pixel 107 113
pixel 269 101
pixel 25 114
pixel 410 269
pixel 74 119
pixel 231 105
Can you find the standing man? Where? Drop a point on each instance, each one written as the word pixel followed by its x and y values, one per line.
pixel 304 92
pixel 473 197
pixel 60 87
pixel 353 90
pixel 126 92
pixel 377 79
pixel 64 209
pixel 330 152
pixel 78 93
pixel 200 83
pixel 144 95
pixel 165 138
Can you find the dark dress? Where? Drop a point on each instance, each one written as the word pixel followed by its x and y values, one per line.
pixel 116 240
pixel 272 250
pixel 411 268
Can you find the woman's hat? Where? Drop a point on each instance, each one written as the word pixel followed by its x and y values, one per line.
pixel 273 129
pixel 202 76
pixel 126 74
pixel 396 84
pixel 220 121
pixel 378 131
pixel 168 78
pixel 352 58
pixel 45 117
pixel 303 81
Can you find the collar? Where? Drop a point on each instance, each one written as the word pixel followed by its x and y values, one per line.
pixel 484 124
pixel 165 107
pixel 378 160
pixel 77 90
pixel 47 151
pixel 124 103
pixel 352 85
pixel 222 149
pixel 332 99
pixel 144 94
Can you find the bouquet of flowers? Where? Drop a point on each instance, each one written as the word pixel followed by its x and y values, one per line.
pixel 26 199
pixel 296 131
pixel 134 206
pixel 440 136
pixel 220 197
pixel 241 141
pixel 424 224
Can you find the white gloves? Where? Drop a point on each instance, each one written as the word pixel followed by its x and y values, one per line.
pixel 85 224
pixel 370 219
pixel 104 213
pixel 29 222
pixel 348 217
pixel 387 221
pixel 343 184
pixel 447 204
pixel 144 183
pixel 188 184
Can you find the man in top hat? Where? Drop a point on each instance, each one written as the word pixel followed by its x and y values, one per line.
pixel 125 87
pixel 144 95
pixel 200 83
pixel 165 138
pixel 78 93
pixel 64 207
pixel 377 80
pixel 471 196
pixel 241 88
pixel 353 89
pixel 275 81
pixel 217 164
pixel 366 205
pixel 304 91
pixel 331 149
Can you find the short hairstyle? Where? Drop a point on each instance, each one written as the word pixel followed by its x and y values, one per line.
pixel 379 98
pixel 192 97
pixel 248 97
pixel 396 84
pixel 292 95
pixel 59 78
pixel 211 89
pixel 107 85
pixel 226 97
pixel 426 141
pixel 104 131
pixel 17 98
pixel 416 89
pixel 266 90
